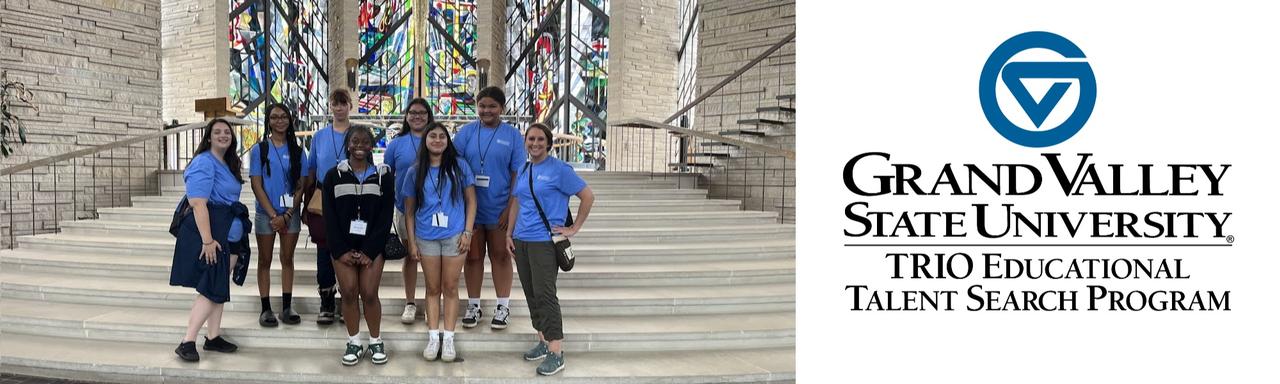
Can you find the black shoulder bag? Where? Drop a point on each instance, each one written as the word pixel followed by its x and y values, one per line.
pixel 564 252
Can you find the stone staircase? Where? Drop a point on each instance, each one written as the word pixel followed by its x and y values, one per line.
pixel 670 287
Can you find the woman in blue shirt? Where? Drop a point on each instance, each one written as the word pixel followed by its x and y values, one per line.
pixel 441 197
pixel 401 154
pixel 552 183
pixel 327 149
pixel 212 182
pixel 275 171
pixel 493 150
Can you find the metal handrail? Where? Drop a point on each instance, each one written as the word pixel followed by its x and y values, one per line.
pixel 732 77
pixel 645 123
pixel 109 146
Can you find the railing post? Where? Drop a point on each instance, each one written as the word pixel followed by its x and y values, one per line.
pixel 32 193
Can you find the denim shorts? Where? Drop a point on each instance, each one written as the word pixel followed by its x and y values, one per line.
pixel 443 247
pixel 262 224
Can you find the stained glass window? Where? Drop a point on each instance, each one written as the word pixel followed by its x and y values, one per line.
pixel 451 68
pixel 548 38
pixel 386 56
pixel 278 54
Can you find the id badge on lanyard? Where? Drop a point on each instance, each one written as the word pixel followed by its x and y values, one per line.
pixel 286 200
pixel 440 220
pixel 482 181
pixel 359 227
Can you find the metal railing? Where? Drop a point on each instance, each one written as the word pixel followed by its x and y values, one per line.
pixel 40 194
pixel 742 141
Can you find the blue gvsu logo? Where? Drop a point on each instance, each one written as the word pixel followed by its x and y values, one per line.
pixel 1058 75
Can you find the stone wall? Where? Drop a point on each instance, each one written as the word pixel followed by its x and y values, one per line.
pixel 731 33
pixel 644 39
pixel 195 58
pixel 94 67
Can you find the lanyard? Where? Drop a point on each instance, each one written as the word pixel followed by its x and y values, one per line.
pixel 284 165
pixel 338 151
pixel 485 153
pixel 360 179
pixel 414 142
pixel 431 185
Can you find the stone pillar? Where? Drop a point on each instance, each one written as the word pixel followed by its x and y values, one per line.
pixel 491 39
pixel 344 41
pixel 644 39
pixel 195 57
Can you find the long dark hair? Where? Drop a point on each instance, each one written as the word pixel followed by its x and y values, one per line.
pixel 230 156
pixel 404 125
pixel 290 139
pixel 449 169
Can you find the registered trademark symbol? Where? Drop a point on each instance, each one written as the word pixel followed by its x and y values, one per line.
pixel 1231 239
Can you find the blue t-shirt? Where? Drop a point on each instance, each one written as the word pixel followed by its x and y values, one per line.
pixel 326 151
pixel 277 183
pixel 553 181
pixel 493 152
pixel 401 154
pixel 207 177
pixel 436 199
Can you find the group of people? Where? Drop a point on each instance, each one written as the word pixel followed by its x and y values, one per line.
pixel 451 200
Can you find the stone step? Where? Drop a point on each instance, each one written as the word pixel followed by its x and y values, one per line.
pixel 585 274
pixel 76 358
pixel 597 333
pixel 649 204
pixel 595 301
pixel 606 185
pixel 597 219
pixel 588 235
pixel 601 195
pixel 607 191
pixel 757 249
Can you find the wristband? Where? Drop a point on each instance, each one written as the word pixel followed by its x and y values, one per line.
pixel 210 242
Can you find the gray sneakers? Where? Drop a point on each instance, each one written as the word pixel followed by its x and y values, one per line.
pixel 552 365
pixel 537 353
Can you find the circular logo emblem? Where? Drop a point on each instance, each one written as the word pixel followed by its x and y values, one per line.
pixel 999 69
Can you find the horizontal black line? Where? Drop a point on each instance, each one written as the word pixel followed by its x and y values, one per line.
pixel 1038 245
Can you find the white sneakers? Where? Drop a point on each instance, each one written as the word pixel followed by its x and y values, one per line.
pixel 410 313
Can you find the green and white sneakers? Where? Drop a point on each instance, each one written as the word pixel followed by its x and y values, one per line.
pixel 353 354
pixel 377 353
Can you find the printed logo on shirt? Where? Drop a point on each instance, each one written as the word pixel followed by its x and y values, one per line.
pixel 544 178
pixel 503 142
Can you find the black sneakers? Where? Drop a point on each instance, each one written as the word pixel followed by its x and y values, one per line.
pixel 187 351
pixel 327 307
pixel 218 344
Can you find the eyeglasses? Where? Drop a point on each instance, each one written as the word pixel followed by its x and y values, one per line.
pixel 279 117
pixel 417 113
